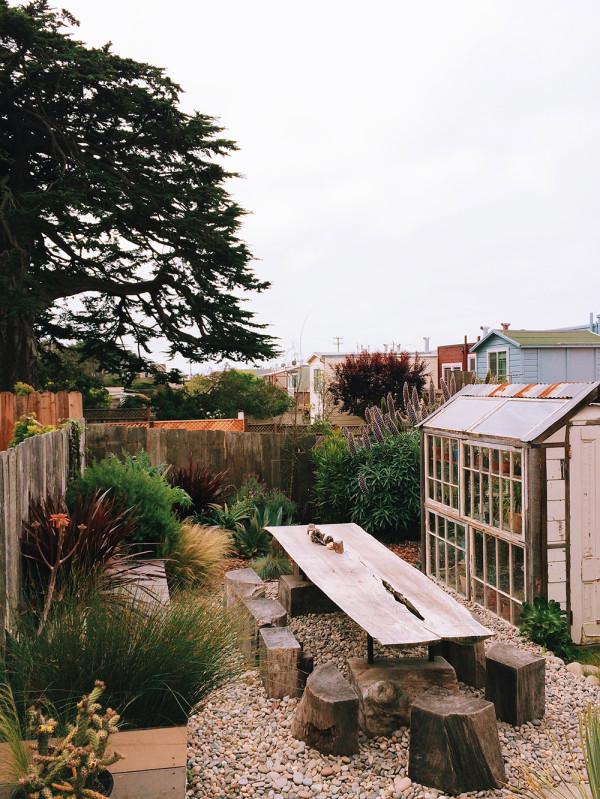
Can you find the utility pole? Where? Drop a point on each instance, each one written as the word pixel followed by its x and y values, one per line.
pixel 338 340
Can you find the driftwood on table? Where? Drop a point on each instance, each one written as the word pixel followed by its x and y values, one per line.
pixel 454 743
pixel 391 600
pixel 327 716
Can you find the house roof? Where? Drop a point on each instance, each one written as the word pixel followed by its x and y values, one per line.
pixel 544 338
pixel 518 411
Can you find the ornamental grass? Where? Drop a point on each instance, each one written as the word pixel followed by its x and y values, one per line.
pixel 157 661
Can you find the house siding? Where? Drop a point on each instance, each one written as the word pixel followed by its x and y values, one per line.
pixel 515 367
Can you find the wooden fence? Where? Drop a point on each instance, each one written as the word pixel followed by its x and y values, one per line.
pixel 283 461
pixel 37 466
pixel 49 408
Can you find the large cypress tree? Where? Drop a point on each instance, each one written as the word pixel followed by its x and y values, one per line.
pixel 110 193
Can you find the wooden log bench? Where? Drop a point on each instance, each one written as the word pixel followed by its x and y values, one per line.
pixel 327 716
pixel 515 684
pixel 284 666
pixel 256 614
pixel 240 584
pixel 468 660
pixel 388 687
pixel 300 596
pixel 454 743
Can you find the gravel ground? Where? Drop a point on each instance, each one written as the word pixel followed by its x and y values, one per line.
pixel 239 743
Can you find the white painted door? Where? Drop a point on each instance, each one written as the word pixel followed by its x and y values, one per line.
pixel 585 531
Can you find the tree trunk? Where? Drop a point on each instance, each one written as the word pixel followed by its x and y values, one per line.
pixel 18 348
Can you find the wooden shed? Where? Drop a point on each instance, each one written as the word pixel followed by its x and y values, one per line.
pixel 510 482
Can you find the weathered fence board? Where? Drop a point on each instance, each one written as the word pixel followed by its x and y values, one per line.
pixel 28 472
pixel 240 454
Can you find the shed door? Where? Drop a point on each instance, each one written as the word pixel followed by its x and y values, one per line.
pixel 584 532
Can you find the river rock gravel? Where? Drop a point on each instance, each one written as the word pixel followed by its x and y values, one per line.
pixel 239 744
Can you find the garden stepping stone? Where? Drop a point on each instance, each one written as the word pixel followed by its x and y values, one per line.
pixel 240 584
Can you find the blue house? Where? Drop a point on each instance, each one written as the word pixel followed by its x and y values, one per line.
pixel 539 356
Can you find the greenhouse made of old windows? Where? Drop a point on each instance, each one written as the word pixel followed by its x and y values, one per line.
pixel 510 482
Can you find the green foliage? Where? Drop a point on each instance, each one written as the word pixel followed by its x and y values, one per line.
pixel 228 516
pixel 256 494
pixel 157 661
pixel 23 389
pixel 231 390
pixel 252 539
pixel 26 427
pixel 362 380
pixel 271 567
pixel 124 205
pixel 203 486
pixel 68 370
pixel 544 622
pixel 390 506
pixel 140 486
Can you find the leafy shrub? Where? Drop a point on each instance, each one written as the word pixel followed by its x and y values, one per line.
pixel 140 485
pixel 271 567
pixel 202 485
pixel 28 426
pixel 388 503
pixel 195 554
pixel 252 539
pixel 157 661
pixel 257 494
pixel 545 623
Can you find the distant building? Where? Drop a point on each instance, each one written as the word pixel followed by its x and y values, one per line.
pixel 539 356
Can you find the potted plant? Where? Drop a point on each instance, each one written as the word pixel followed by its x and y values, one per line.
pixel 75 765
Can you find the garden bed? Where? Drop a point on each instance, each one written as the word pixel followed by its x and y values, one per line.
pixel 239 744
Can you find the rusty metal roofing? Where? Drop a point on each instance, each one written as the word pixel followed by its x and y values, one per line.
pixel 524 412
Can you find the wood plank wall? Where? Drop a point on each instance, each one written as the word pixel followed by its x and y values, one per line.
pixel 27 472
pixel 49 408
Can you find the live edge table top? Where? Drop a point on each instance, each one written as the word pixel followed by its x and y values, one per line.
pixel 416 611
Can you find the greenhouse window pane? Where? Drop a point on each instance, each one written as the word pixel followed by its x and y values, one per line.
pixel 465 412
pixel 515 418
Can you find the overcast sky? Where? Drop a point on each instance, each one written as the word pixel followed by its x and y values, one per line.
pixel 411 168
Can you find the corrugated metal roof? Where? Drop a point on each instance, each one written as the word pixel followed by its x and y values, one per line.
pixel 552 338
pixel 518 411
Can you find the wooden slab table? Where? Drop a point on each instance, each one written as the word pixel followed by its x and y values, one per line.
pixel 411 610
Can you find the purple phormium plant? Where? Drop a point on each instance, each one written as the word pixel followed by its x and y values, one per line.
pixel 377 431
pixel 350 440
pixel 363 484
pixel 391 424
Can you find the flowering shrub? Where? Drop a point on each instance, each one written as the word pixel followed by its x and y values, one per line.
pixel 256 494
pixel 28 426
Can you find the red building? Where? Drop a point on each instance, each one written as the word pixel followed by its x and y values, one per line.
pixel 455 358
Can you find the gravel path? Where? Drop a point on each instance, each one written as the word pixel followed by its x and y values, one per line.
pixel 239 743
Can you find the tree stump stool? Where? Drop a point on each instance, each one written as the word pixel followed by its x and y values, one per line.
pixel 299 596
pixel 284 666
pixel 388 687
pixel 327 716
pixel 515 684
pixel 240 584
pixel 258 613
pixel 468 660
pixel 454 743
